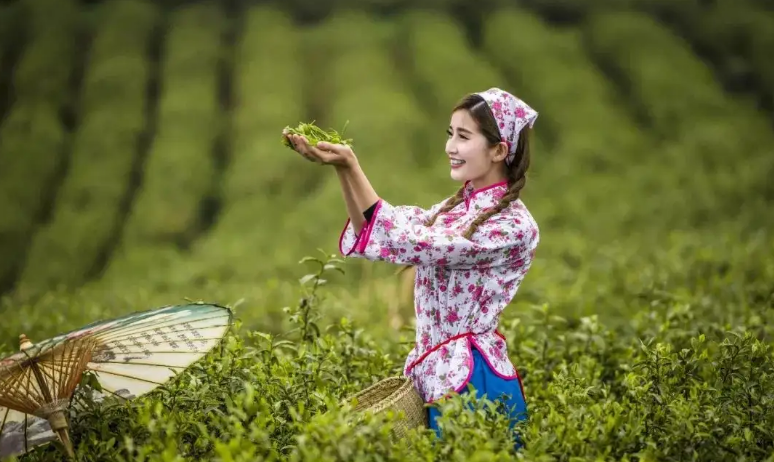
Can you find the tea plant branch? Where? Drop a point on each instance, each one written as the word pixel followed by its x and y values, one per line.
pixel 306 313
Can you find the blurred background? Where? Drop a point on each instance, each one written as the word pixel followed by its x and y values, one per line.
pixel 141 160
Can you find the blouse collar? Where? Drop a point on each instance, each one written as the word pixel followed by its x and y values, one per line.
pixel 483 198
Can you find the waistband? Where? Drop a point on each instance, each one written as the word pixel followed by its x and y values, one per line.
pixel 446 342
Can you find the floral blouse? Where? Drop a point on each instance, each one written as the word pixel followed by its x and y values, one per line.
pixel 461 285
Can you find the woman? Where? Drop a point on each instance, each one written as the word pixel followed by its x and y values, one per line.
pixel 470 251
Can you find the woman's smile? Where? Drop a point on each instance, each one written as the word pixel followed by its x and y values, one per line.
pixel 456 163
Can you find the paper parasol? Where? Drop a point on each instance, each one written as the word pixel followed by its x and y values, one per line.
pixel 130 356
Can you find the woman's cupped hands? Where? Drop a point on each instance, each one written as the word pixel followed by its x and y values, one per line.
pixel 339 155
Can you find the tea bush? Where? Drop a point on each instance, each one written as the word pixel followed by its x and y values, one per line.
pixel 731 34
pixel 679 382
pixel 88 211
pixel 434 46
pixel 357 76
pixel 592 137
pixel 179 168
pixel 10 30
pixel 677 94
pixel 33 139
pixel 589 179
pixel 179 172
pixel 254 182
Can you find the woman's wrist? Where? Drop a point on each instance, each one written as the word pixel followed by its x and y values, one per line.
pixel 349 165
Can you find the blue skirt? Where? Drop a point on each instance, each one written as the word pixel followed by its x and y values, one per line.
pixel 486 382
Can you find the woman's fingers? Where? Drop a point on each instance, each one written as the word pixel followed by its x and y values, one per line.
pixel 318 155
pixel 302 147
pixel 337 148
pixel 310 151
pixel 326 153
pixel 340 154
pixel 313 153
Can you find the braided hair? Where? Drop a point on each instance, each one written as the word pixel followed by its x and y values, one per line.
pixel 516 171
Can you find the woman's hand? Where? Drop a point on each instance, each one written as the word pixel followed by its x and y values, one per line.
pixel 339 155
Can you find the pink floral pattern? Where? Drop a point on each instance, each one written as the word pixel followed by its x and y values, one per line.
pixel 511 114
pixel 461 286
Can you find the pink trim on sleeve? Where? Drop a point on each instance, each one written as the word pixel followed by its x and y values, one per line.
pixel 341 239
pixel 366 231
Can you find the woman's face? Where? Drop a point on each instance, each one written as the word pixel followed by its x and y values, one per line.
pixel 470 156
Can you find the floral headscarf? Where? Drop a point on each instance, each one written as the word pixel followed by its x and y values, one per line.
pixel 511 114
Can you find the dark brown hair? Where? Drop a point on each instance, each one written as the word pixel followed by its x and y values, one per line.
pixel 516 171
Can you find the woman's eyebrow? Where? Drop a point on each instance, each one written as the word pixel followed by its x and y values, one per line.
pixel 461 129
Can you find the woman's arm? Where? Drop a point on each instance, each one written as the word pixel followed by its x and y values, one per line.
pixel 398 234
pixel 392 235
pixel 358 193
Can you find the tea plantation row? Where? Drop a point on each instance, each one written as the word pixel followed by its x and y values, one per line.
pixel 146 195
pixel 641 333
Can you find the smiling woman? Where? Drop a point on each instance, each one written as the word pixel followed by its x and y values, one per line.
pixel 470 119
pixel 471 251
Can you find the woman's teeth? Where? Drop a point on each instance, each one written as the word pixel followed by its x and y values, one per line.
pixel 457 162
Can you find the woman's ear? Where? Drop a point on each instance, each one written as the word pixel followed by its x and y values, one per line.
pixel 500 152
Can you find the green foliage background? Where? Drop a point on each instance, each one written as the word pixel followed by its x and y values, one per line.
pixel 141 165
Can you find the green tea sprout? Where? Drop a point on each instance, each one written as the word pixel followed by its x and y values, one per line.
pixel 315 134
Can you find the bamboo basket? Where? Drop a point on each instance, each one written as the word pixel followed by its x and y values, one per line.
pixel 397 394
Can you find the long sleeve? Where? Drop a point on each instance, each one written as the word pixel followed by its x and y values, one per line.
pixel 395 235
pixel 349 240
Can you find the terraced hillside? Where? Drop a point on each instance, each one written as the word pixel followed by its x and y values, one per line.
pixel 141 165
pixel 139 144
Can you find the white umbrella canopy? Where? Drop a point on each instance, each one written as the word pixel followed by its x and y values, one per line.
pixel 129 357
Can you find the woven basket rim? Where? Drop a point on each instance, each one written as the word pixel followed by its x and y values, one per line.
pixel 397 395
pixel 403 385
pixel 402 396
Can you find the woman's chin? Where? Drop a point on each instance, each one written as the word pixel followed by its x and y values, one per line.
pixel 457 174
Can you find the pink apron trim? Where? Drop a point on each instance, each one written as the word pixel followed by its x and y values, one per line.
pixel 445 342
pixel 504 377
pixel 471 341
pixel 467 379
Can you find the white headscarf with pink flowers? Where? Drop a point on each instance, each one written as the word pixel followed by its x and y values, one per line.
pixel 511 114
